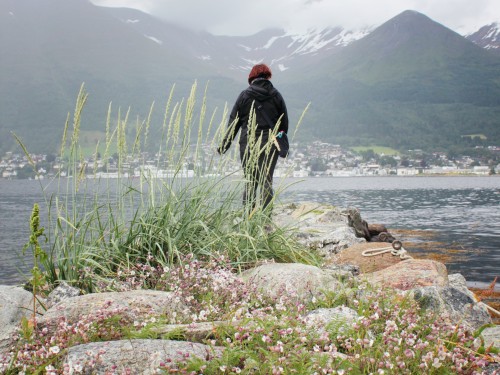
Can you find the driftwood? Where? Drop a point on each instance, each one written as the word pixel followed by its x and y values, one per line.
pixel 370 232
pixel 359 225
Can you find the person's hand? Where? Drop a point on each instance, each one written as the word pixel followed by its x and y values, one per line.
pixel 221 150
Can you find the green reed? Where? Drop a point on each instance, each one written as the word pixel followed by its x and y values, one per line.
pixel 98 225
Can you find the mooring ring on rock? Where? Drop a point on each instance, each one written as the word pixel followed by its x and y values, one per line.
pixel 396 245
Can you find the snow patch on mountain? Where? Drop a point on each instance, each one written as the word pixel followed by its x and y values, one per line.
pixel 132 21
pixel 286 50
pixel 271 41
pixel 156 40
pixel 246 48
pixel 252 62
pixel 316 40
pixel 346 37
pixel 312 42
pixel 487 36
pixel 493 35
pixel 246 64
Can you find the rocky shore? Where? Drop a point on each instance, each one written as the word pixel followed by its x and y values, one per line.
pixel 351 250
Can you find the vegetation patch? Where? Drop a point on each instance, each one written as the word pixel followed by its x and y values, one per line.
pixel 376 149
pixel 472 136
pixel 264 335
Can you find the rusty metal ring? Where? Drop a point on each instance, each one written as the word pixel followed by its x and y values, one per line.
pixel 397 245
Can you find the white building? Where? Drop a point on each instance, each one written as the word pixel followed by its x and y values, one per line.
pixel 407 171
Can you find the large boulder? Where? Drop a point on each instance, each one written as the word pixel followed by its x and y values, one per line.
pixel 15 304
pixel 133 304
pixel 454 301
pixel 293 279
pixel 132 356
pixel 60 293
pixel 309 214
pixel 321 227
pixel 410 274
pixel 354 255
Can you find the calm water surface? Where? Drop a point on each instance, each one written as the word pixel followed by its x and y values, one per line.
pixel 461 213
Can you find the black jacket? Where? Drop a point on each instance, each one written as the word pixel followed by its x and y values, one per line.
pixel 267 99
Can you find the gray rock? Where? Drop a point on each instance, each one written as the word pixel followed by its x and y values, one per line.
pixel 193 332
pixel 334 242
pixel 338 318
pixel 15 303
pixel 62 292
pixel 293 279
pixel 132 304
pixel 132 356
pixel 457 281
pixel 491 336
pixel 310 214
pixel 491 369
pixel 321 227
pixel 347 270
pixel 454 302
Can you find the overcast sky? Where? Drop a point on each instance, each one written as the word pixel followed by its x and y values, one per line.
pixel 240 17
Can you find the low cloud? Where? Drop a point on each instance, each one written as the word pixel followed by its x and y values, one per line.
pixel 229 17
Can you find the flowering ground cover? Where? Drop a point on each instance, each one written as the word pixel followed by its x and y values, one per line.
pixel 264 335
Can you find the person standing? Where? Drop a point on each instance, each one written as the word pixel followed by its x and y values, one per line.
pixel 259 112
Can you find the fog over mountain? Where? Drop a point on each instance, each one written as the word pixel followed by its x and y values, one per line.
pixel 228 17
pixel 408 83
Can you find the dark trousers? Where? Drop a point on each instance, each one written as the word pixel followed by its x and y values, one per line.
pixel 258 172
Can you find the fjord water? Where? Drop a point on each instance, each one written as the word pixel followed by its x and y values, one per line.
pixel 460 214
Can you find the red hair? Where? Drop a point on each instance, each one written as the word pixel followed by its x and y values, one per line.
pixel 259 70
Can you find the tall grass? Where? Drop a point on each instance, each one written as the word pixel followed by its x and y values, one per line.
pixel 102 225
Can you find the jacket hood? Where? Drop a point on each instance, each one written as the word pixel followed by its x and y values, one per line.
pixel 261 90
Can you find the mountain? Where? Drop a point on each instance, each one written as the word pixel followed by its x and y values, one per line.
pixel 487 37
pixel 409 83
pixel 50 47
pixel 233 55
